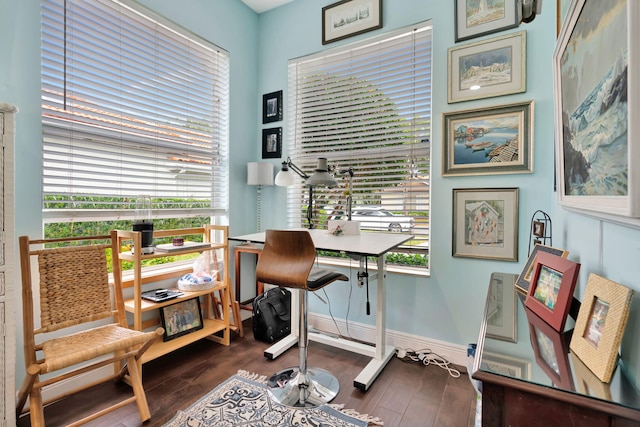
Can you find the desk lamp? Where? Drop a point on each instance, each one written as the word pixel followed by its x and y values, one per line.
pixel 321 177
pixel 259 174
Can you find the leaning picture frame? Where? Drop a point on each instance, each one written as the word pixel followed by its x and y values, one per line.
pixel 348 18
pixel 473 21
pixel 272 107
pixel 488 140
pixel 600 325
pixel 488 68
pixel 522 283
pixel 597 157
pixel 272 143
pixel 181 318
pixel 550 293
pixel 485 223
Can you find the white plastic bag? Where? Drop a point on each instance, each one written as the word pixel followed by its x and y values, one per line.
pixel 204 276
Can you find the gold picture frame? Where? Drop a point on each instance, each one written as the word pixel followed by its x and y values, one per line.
pixel 600 325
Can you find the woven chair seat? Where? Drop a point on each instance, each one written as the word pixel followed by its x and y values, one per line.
pixel 86 345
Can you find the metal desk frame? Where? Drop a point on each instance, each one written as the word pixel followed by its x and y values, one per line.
pixel 364 245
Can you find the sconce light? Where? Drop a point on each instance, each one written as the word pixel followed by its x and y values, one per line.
pixel 259 174
pixel 321 177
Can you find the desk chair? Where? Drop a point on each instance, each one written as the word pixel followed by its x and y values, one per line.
pixel 287 261
pixel 82 325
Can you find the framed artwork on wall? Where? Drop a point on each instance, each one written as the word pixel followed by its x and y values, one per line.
pixel 600 325
pixel 501 304
pixel 181 318
pixel 475 18
pixel 488 68
pixel 550 293
pixel 272 107
pixel 488 140
pixel 597 156
pixel 348 18
pixel 272 143
pixel 485 223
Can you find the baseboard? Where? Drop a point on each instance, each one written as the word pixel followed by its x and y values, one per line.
pixel 455 354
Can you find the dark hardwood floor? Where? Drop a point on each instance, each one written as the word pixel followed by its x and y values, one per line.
pixel 404 394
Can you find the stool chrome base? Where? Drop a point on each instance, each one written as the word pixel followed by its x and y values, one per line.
pixel 288 388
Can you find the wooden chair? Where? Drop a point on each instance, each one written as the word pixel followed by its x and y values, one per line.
pixel 74 294
pixel 287 260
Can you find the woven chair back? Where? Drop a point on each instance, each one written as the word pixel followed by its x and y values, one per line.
pixel 74 286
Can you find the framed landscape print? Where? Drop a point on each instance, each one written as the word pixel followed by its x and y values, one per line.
pixel 488 140
pixel 596 132
pixel 488 68
pixel 347 18
pixel 272 107
pixel 475 18
pixel 485 223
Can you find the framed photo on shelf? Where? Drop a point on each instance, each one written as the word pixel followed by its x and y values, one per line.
pixel 348 18
pixel 600 325
pixel 488 68
pixel 507 366
pixel 551 350
pixel 501 304
pixel 272 143
pixel 181 318
pixel 550 292
pixel 485 223
pixel 474 21
pixel 522 283
pixel 488 140
pixel 272 107
pixel 597 155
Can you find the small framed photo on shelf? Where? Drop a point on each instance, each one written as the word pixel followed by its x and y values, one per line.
pixel 522 284
pixel 181 318
pixel 348 18
pixel 473 21
pixel 272 143
pixel 600 325
pixel 272 107
pixel 550 293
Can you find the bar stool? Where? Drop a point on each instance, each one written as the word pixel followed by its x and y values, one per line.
pixel 287 261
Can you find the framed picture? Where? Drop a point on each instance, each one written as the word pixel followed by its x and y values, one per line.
pixel 485 223
pixel 596 159
pixel 488 68
pixel 347 18
pixel 181 318
pixel 522 283
pixel 272 143
pixel 551 350
pixel 600 325
pixel 478 18
pixel 501 304
pixel 550 292
pixel 272 107
pixel 507 366
pixel 488 140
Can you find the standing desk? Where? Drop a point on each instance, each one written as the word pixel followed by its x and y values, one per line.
pixel 362 245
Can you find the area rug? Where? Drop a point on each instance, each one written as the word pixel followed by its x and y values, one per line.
pixel 242 400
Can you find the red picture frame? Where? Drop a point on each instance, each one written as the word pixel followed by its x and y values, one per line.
pixel 551 289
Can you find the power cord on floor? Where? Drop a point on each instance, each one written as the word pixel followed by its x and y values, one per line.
pixel 427 357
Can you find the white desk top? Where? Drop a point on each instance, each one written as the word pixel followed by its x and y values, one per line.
pixel 369 244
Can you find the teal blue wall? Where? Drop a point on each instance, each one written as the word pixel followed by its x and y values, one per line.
pixel 446 306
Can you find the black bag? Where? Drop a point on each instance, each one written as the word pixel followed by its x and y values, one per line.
pixel 272 315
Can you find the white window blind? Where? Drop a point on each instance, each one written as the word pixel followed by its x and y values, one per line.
pixel 131 104
pixel 366 106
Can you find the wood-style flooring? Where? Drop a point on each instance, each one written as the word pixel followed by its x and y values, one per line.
pixel 405 394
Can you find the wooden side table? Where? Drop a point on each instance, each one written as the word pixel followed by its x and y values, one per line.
pixel 250 249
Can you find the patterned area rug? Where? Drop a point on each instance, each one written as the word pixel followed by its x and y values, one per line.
pixel 242 400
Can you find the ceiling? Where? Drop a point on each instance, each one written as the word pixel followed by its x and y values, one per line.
pixel 260 6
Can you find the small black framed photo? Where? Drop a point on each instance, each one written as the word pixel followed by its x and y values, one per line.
pixel 272 107
pixel 272 143
pixel 181 318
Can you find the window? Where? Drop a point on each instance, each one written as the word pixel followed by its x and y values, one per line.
pixel 366 106
pixel 131 104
